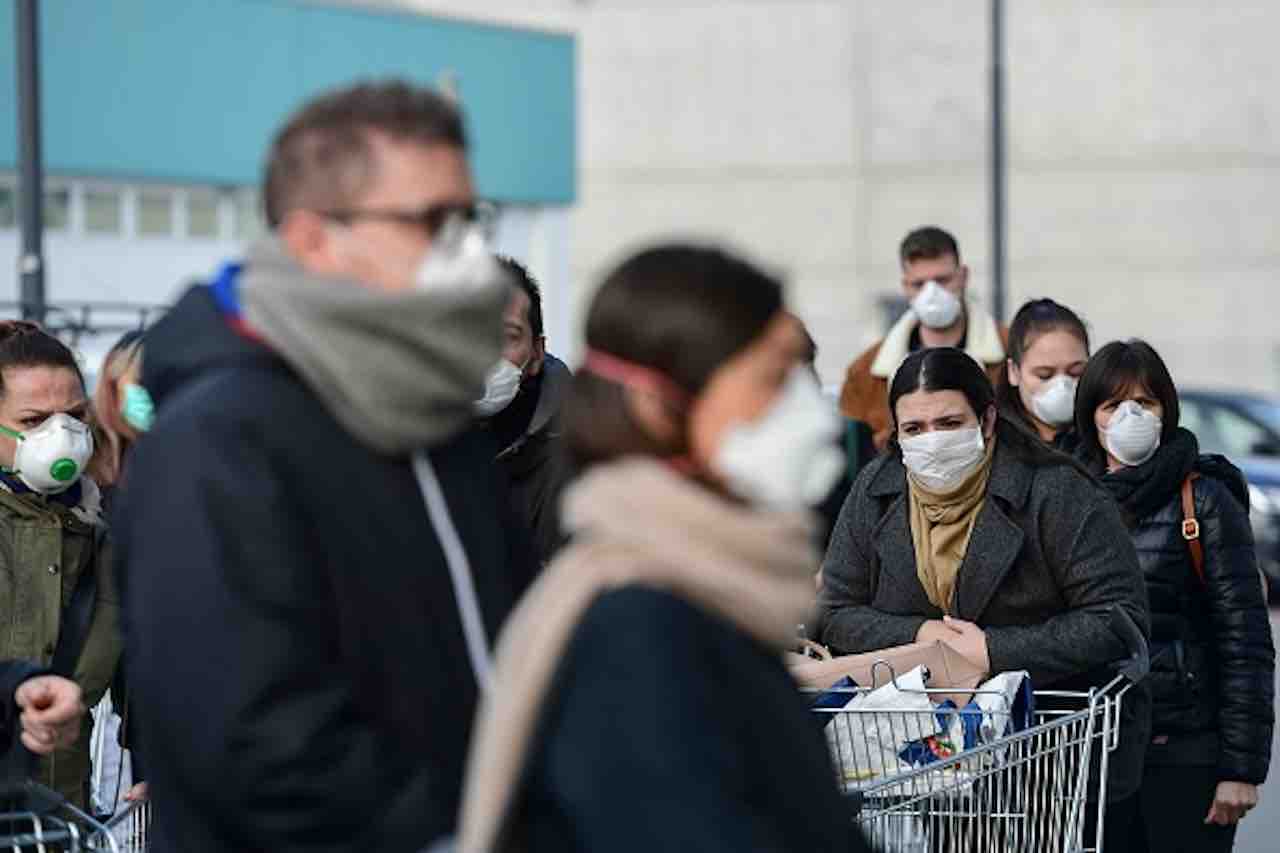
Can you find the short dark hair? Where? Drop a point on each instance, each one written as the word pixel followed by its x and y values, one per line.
pixel 521 276
pixel 951 369
pixel 1035 318
pixel 323 157
pixel 1116 368
pixel 25 344
pixel 927 244
pixel 679 310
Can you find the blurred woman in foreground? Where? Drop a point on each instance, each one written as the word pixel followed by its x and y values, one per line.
pixel 640 701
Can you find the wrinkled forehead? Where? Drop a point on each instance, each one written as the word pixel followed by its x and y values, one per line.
pixel 928 406
pixel 920 269
pixel 43 388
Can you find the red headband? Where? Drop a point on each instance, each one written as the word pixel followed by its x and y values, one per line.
pixel 634 376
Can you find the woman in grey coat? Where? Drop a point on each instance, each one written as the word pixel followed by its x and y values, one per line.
pixel 969 530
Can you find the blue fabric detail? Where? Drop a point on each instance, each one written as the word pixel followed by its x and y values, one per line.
pixel 70 498
pixel 226 290
pixel 1024 707
pixel 834 698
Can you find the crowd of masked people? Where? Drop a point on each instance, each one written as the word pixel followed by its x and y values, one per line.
pixel 356 587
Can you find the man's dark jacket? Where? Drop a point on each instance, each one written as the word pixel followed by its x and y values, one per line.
pixel 536 464
pixel 297 657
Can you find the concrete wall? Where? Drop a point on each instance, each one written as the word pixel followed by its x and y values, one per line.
pixel 1145 143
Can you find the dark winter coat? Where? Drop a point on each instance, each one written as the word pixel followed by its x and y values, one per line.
pixel 1049 575
pixel 535 464
pixel 296 654
pixel 1212 655
pixel 708 743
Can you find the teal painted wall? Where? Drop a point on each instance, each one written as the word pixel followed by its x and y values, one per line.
pixel 192 90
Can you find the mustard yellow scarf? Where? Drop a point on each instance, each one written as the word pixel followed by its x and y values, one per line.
pixel 941 524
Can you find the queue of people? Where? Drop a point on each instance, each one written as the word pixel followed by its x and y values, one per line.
pixel 390 576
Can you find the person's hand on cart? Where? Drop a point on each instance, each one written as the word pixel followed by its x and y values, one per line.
pixel 51 712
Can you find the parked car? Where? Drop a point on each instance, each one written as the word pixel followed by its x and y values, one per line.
pixel 1245 428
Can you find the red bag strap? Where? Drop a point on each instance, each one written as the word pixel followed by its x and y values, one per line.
pixel 1191 527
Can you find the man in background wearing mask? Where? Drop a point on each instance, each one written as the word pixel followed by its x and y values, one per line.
pixel 935 284
pixel 317 548
pixel 521 408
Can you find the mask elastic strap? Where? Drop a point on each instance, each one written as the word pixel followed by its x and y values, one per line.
pixel 637 377
pixel 12 433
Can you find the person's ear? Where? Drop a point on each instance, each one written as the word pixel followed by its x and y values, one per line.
pixel 654 416
pixel 989 422
pixel 1015 375
pixel 309 239
pixel 534 367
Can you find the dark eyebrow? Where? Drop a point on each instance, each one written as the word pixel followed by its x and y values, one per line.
pixel 82 406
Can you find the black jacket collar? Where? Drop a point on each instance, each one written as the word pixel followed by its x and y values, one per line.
pixel 192 338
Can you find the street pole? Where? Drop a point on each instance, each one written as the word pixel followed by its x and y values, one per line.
pixel 30 170
pixel 998 284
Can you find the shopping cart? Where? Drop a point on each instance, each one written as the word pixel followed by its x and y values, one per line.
pixel 1031 790
pixel 36 818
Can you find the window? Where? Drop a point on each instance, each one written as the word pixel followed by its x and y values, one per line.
pixel 102 211
pixel 1240 436
pixel 1197 418
pixel 1221 429
pixel 57 208
pixel 155 214
pixel 202 214
pixel 249 224
pixel 8 206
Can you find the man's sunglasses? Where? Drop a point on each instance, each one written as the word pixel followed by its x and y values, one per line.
pixel 430 219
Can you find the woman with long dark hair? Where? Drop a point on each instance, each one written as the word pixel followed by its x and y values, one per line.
pixel 1048 351
pixel 1212 656
pixel 640 700
pixel 970 530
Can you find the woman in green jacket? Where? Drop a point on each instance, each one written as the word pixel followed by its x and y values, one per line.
pixel 58 602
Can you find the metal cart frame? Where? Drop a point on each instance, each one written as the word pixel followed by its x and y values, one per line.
pixel 1033 790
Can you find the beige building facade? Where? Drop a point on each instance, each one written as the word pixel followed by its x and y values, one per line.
pixel 1144 139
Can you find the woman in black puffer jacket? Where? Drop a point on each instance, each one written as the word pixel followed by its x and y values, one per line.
pixel 1213 662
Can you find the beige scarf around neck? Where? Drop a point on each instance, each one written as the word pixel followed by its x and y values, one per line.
pixel 941 524
pixel 636 522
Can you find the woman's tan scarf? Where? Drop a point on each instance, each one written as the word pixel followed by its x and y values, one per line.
pixel 941 524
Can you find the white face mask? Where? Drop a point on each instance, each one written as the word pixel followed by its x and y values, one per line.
pixel 459 259
pixel 500 387
pixel 1055 402
pixel 1133 436
pixel 788 458
pixel 51 457
pixel 941 460
pixel 936 306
